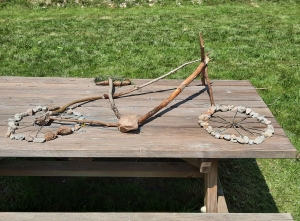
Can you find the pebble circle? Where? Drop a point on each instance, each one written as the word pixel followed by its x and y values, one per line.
pixel 204 122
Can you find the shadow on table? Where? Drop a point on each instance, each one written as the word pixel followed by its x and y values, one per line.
pixel 244 187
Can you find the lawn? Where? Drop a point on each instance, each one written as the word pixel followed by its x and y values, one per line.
pixel 255 40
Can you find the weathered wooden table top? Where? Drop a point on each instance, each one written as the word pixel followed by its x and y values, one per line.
pixel 172 133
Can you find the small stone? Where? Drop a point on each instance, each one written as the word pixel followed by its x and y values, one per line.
pixel 50 136
pixel 129 123
pixel 230 107
pixel 252 113
pixel 270 128
pixel 29 112
pixel 234 141
pixel 18 117
pixel 227 137
pixel 233 137
pixel 241 109
pixel 12 136
pixel 19 137
pixel 24 114
pixel 52 107
pixel 213 132
pixel 70 112
pixel 251 142
pixel 211 110
pixel 11 119
pixel 261 118
pixel 209 129
pixel 218 107
pixel 240 140
pixel 234 109
pixel 255 115
pixel 204 117
pixel 224 108
pixel 259 140
pixel 248 110
pixel 29 138
pixel 204 124
pixel 12 125
pixel 203 209
pixel 267 122
pixel 37 109
pixel 39 140
pixel 221 136
pixel 268 133
pixel 64 130
pixel 246 139
pixel 217 135
pixel 44 108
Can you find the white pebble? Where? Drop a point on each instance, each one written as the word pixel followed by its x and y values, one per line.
pixel 39 140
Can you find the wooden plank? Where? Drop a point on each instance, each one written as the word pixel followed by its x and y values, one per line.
pixel 222 205
pixel 98 169
pixel 173 132
pixel 211 188
pixel 38 216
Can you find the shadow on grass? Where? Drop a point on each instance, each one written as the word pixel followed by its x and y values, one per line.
pixel 243 184
pixel 244 187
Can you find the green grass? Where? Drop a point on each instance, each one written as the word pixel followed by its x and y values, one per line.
pixel 255 40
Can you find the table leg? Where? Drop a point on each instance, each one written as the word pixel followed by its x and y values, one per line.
pixel 211 188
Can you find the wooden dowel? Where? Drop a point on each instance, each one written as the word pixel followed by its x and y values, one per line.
pixel 176 92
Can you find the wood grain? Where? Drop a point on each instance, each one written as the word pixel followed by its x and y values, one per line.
pixel 33 216
pixel 172 132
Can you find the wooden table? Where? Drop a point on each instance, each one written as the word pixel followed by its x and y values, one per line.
pixel 171 133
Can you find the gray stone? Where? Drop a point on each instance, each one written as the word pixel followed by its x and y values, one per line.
pixel 70 111
pixel 209 129
pixel 12 124
pixel 29 138
pixel 241 109
pixel 259 140
pixel 12 137
pixel 261 118
pixel 248 110
pixel 218 107
pixel 44 108
pixel 240 140
pixel 227 137
pixel 39 140
pixel 267 122
pixel 81 118
pixel 24 114
pixel 224 108
pixel 268 133
pixel 11 119
pixel 19 137
pixel 255 115
pixel 18 117
pixel 246 139
pixel 251 142
pixel 233 137
pixel 270 128
pixel 37 109
pixel 217 135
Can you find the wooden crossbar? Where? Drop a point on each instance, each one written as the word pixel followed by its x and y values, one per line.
pixel 98 169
